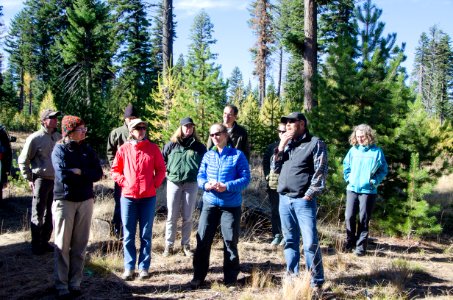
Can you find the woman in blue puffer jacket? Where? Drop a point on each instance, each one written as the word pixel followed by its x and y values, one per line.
pixel 224 172
pixel 364 167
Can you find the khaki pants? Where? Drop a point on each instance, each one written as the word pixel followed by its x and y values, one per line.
pixel 72 221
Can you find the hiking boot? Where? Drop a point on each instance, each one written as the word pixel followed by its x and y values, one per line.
pixel 316 292
pixel 143 275
pixel 277 240
pixel 128 275
pixel 196 283
pixel 168 251
pixel 75 291
pixel 187 251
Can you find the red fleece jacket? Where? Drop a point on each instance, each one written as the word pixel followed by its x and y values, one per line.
pixel 139 169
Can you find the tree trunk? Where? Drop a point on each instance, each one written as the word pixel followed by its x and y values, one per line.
pixel 167 36
pixel 310 53
pixel 280 67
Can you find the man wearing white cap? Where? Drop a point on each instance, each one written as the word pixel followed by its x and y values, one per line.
pixel 36 167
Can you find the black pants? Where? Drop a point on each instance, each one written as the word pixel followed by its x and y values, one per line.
pixel 229 219
pixel 357 233
pixel 116 220
pixel 275 215
pixel 41 213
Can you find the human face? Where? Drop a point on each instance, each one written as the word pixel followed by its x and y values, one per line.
pixel 295 126
pixel 219 137
pixel 187 130
pixel 79 134
pixel 50 123
pixel 361 137
pixel 281 129
pixel 229 117
pixel 139 131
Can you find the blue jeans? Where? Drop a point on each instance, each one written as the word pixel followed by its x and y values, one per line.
pixel 298 216
pixel 229 219
pixel 141 211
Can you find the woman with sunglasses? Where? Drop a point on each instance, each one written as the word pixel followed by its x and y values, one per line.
pixel 182 157
pixel 224 173
pixel 76 167
pixel 139 169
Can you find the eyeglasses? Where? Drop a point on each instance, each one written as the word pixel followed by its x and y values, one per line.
pixel 217 134
pixel 281 131
pixel 140 128
pixel 291 121
pixel 85 129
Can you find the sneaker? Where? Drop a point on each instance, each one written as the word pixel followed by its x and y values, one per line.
pixel 143 275
pixel 196 283
pixel 360 252
pixel 168 251
pixel 128 275
pixel 282 242
pixel 63 295
pixel 187 251
pixel 277 239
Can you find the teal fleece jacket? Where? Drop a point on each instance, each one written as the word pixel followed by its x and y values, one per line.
pixel 364 168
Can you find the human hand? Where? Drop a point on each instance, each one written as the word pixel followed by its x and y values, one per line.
pixel 284 140
pixel 76 171
pixel 31 185
pixel 220 187
pixel 210 185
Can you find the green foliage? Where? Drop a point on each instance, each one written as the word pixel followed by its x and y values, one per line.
pixel 412 216
pixel 249 117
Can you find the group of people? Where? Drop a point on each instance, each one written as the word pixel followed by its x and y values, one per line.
pixel 61 170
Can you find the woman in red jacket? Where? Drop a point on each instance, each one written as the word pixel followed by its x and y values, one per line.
pixel 139 169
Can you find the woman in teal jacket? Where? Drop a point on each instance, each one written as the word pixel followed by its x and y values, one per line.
pixel 364 168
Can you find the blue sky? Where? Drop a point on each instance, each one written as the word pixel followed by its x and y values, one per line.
pixel 408 18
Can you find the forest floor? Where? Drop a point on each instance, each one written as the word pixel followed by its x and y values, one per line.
pixel 393 268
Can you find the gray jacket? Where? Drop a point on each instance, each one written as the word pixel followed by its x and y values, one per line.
pixel 35 158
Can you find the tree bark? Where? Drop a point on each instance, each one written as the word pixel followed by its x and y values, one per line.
pixel 167 36
pixel 310 53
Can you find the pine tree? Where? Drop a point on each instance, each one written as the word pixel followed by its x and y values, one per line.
pixel 136 74
pixel 202 77
pixel 236 87
pixel 262 25
pixel 433 73
pixel 250 112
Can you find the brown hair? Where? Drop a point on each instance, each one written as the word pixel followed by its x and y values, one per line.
pixel 369 133
pixel 177 136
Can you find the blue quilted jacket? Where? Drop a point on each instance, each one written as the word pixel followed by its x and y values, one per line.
pixel 229 167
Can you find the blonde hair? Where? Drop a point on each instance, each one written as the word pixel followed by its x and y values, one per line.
pixel 177 136
pixel 370 135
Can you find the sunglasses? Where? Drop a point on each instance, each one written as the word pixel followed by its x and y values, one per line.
pixel 281 131
pixel 85 129
pixel 217 134
pixel 140 128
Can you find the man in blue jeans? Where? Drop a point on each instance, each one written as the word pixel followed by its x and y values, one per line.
pixel 301 160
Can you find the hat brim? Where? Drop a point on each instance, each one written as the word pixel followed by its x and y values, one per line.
pixel 285 119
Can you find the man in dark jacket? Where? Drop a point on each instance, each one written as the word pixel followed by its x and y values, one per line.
pixel 118 137
pixel 6 158
pixel 272 188
pixel 237 134
pixel 301 160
